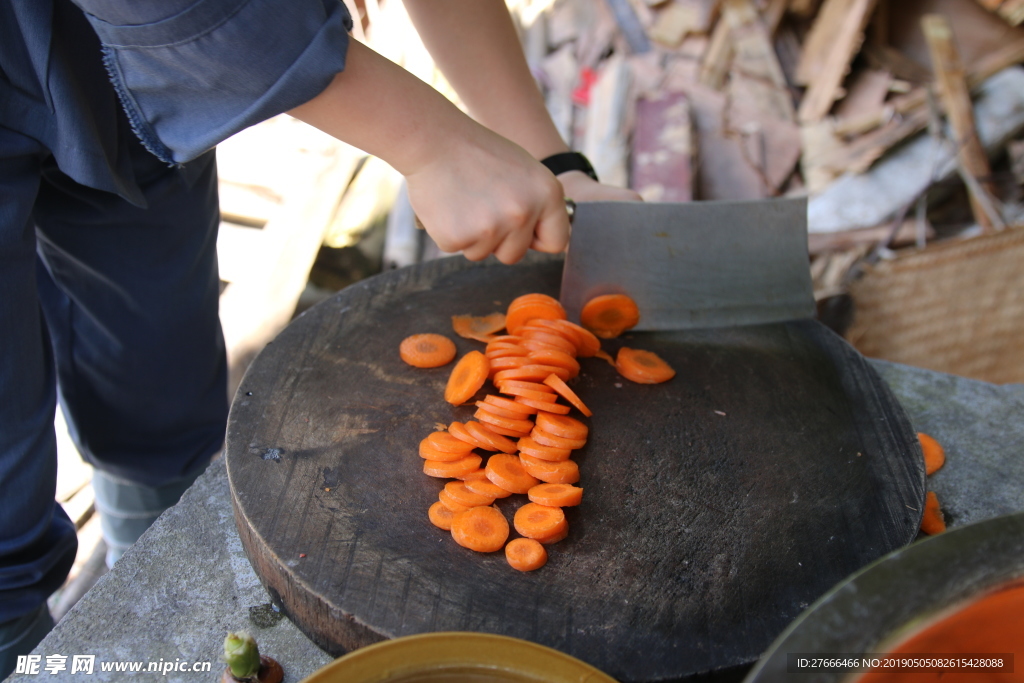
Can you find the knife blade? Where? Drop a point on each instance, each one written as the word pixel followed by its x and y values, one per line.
pixel 693 264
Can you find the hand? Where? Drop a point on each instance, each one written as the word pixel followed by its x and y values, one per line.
pixel 483 194
pixel 580 187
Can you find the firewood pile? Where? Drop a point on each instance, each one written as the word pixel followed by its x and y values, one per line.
pixel 862 105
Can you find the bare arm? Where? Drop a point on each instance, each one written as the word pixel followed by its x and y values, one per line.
pixel 475 45
pixel 474 190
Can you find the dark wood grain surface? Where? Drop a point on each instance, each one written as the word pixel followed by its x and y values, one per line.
pixel 718 505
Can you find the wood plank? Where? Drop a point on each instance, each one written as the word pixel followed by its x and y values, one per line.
pixel 754 59
pixel 681 18
pixel 722 168
pixel 715 65
pixel 663 149
pixel 605 140
pixel 845 32
pixel 956 99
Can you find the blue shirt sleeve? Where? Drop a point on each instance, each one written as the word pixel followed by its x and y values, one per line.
pixel 191 73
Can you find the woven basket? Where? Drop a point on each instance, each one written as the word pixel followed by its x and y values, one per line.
pixel 955 307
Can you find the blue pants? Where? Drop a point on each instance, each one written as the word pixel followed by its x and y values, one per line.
pixel 113 308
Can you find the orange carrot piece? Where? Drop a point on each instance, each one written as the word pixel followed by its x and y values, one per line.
pixel 587 344
pixel 430 452
pixel 473 475
pixel 562 425
pixel 486 488
pixel 508 363
pixel 427 350
pixel 483 529
pixel 525 554
pixel 642 367
pixel 554 538
pixel 605 356
pixel 546 439
pixel 556 495
pixel 468 375
pixel 530 447
pixel 508 404
pixel 440 516
pixel 539 521
pixel 460 493
pixel 507 471
pixel 459 431
pixel 547 406
pixel 449 502
pixel 933 522
pixel 934 453
pixel 494 420
pixel 561 472
pixel 451 470
pixel 510 433
pixel 609 315
pixel 502 412
pixel 539 396
pixel 538 339
pixel 563 390
pixel 556 358
pixel 480 328
pixel 531 373
pixel 492 440
pixel 525 308
pixel 444 441
pixel 532 386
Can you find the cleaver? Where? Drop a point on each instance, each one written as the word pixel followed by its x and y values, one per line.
pixel 692 264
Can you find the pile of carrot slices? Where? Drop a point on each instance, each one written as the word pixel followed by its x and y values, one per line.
pixel 522 437
pixel 933 521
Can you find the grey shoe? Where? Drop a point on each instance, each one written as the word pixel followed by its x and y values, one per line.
pixel 127 509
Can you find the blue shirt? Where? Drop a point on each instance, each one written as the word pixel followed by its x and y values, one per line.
pixel 186 74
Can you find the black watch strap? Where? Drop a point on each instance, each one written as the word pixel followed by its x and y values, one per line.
pixel 569 161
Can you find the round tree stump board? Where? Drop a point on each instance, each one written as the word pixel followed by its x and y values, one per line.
pixel 717 506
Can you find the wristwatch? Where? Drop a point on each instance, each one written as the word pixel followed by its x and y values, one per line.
pixel 569 161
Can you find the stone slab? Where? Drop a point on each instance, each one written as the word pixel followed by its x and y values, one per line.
pixel 187 582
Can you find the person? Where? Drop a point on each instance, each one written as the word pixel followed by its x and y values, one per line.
pixel 109 114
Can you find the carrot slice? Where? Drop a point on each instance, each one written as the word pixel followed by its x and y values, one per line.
pixel 473 475
pixel 933 522
pixel 492 441
pixel 554 538
pixel 480 328
pixel 539 521
pixel 547 406
pixel 536 339
pixel 483 529
pixel 459 431
pixel 507 471
pixel 430 452
pixel 494 420
pixel 587 344
pixel 563 390
pixel 444 441
pixel 556 358
pixel 468 375
pixel 530 447
pixel 427 350
pixel 508 363
pixel 525 308
pixel 486 488
pixel 508 404
pixel 562 472
pixel 449 502
pixel 532 386
pixel 556 495
pixel 605 356
pixel 642 367
pixel 531 373
pixel 460 493
pixel 539 396
pixel 440 516
pixel 545 439
pixel 495 410
pixel 451 470
pixel 609 315
pixel 934 454
pixel 525 554
pixel 562 425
